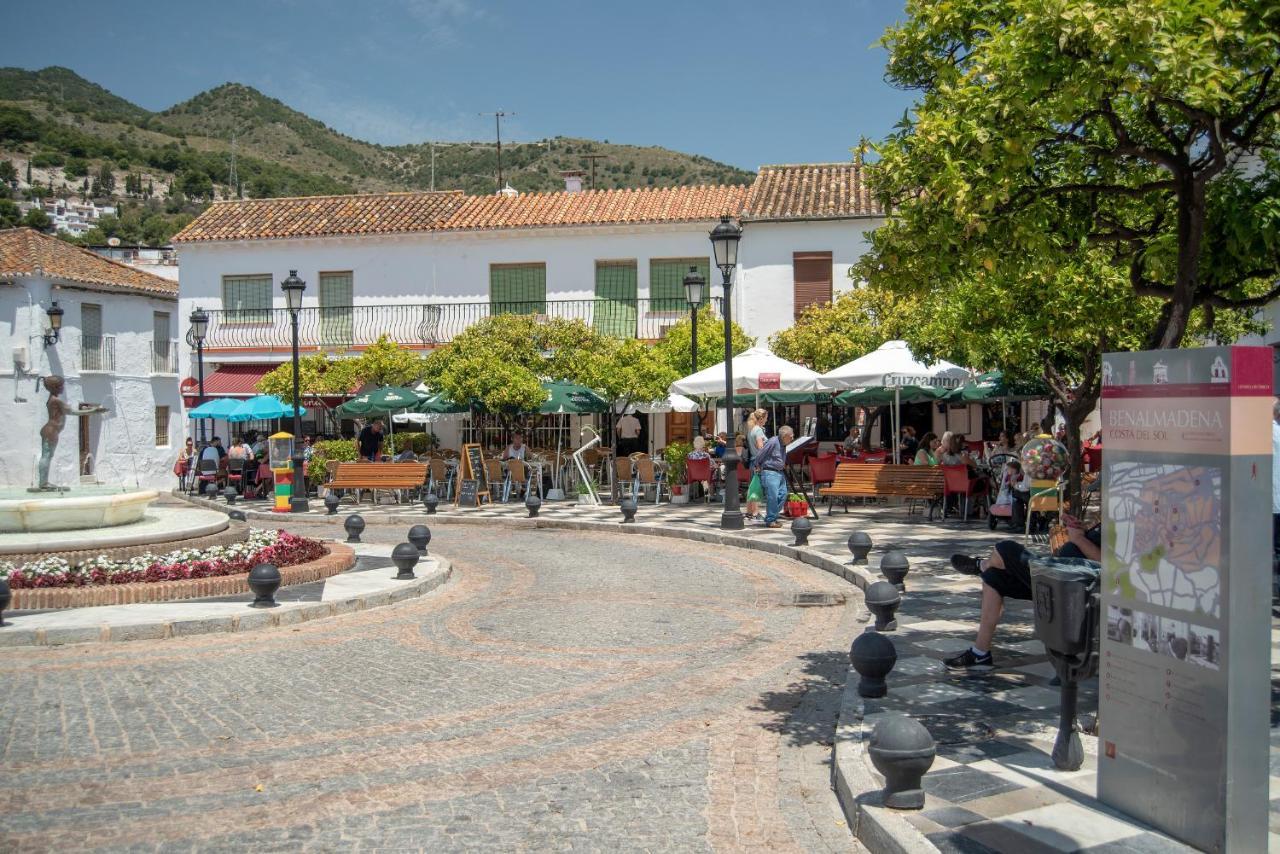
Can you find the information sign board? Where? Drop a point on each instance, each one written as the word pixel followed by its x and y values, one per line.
pixel 467 493
pixel 1185 638
pixel 471 467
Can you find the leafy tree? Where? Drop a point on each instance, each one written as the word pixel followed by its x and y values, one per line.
pixel 195 184
pixel 36 218
pixel 106 179
pixel 675 348
pixel 28 171
pixel 1129 121
pixel 855 323
pixel 10 215
pixel 7 172
pixel 76 167
pixel 383 363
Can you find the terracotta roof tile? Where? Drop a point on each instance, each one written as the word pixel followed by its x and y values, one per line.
pixel 819 191
pixel 810 191
pixel 597 207
pixel 314 216
pixel 27 252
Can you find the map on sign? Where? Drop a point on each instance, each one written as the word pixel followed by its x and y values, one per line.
pixel 1165 535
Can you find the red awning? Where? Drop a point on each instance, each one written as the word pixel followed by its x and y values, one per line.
pixel 229 381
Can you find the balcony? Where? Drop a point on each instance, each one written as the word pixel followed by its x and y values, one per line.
pixel 427 325
pixel 98 354
pixel 164 357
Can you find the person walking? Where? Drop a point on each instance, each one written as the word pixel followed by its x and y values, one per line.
pixel 756 438
pixel 770 464
pixel 629 429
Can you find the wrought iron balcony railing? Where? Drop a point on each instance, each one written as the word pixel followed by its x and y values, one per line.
pixel 164 357
pixel 98 354
pixel 427 325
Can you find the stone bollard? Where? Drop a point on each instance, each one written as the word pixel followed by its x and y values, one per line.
pixel 5 598
pixel 431 502
pixel 628 506
pixel 859 546
pixel 420 536
pixel 210 490
pixel 902 750
pixel 873 656
pixel 883 600
pixel 532 503
pixel 894 567
pixel 355 526
pixel 229 494
pixel 264 581
pixel 801 527
pixel 405 557
pixel 237 515
pixel 331 502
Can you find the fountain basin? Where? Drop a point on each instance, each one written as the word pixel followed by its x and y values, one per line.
pixel 73 510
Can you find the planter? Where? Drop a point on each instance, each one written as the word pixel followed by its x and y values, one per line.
pixel 585 499
pixel 679 498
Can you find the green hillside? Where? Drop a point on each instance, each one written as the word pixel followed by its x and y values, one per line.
pixel 82 140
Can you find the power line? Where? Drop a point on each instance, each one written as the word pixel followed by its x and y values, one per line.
pixel 498 116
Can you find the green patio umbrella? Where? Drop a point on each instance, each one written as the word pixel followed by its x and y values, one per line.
pixel 566 398
pixel 781 398
pixel 992 387
pixel 889 395
pixel 381 401
pixel 438 404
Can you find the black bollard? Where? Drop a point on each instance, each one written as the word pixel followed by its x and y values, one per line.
pixel 801 527
pixel 873 656
pixel 264 581
pixel 420 536
pixel 859 546
pixel 902 750
pixel 883 600
pixel 894 567
pixel 628 506
pixel 532 503
pixel 355 526
pixel 405 557
pixel 229 494
pixel 6 596
pixel 331 502
pixel 431 502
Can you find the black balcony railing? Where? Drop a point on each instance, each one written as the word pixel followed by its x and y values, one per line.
pixel 98 354
pixel 427 325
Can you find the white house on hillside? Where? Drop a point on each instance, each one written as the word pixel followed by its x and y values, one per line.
pixel 117 347
pixel 421 267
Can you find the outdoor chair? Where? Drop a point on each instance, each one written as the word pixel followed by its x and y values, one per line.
pixel 822 471
pixel 699 471
pixel 439 474
pixel 646 478
pixel 517 480
pixel 496 478
pixel 235 473
pixel 955 481
pixel 1045 498
pixel 206 472
pixel 622 476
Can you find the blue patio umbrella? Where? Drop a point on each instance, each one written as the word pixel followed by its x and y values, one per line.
pixel 264 407
pixel 219 407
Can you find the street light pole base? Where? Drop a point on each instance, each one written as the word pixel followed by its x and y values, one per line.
pixel 299 504
pixel 732 520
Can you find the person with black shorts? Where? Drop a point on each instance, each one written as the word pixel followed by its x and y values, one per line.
pixel 1006 574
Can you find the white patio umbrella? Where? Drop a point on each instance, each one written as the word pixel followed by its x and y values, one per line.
pixel 893 366
pixel 754 370
pixel 670 403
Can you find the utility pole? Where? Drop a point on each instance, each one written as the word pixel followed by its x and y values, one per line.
pixel 497 126
pixel 233 178
pixel 593 158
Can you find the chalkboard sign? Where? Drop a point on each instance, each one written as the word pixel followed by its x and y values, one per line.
pixel 467 493
pixel 472 466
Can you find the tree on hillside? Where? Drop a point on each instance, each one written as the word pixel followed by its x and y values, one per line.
pixel 36 218
pixel 7 172
pixel 10 215
pixel 1152 128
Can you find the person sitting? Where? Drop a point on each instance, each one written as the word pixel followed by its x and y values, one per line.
pixel 516 450
pixel 369 442
pixel 239 450
pixel 907 444
pixel 853 441
pixel 1004 444
pixel 722 445
pixel 406 456
pixel 928 453
pixel 1006 574
pixel 218 455
pixel 699 452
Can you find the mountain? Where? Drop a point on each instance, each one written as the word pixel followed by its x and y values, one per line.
pixel 54 117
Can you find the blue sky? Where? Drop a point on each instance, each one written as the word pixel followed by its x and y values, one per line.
pixel 747 83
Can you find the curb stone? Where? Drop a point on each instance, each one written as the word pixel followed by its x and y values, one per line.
pixel 251 620
pixel 858 785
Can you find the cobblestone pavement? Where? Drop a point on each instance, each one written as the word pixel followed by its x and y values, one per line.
pixel 565 691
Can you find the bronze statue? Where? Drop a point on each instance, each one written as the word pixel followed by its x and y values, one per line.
pixel 52 428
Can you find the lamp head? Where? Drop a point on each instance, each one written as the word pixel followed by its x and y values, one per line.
pixel 293 288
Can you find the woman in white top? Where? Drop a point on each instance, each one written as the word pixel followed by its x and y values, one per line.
pixel 515 451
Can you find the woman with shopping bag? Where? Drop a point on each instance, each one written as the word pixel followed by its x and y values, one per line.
pixel 755 441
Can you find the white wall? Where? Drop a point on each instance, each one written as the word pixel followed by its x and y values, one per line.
pixel 122 442
pixel 766 294
pixel 454 266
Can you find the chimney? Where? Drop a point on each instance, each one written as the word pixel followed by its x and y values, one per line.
pixel 573 180
pixel 509 191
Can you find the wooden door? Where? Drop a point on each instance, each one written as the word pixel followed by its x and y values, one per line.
pixel 86 455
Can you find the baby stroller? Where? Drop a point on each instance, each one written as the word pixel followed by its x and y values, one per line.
pixel 1004 506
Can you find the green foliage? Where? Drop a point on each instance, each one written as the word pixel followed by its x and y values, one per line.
pixel 1100 122
pixel 855 323
pixel 675 348
pixel 7 172
pixel 629 370
pixel 9 214
pixel 325 452
pixel 65 88
pixel 36 218
pixel 677 456
pixel 76 167
pixel 382 363
pixel 47 159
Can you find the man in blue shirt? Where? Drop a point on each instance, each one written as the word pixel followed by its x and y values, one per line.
pixel 770 463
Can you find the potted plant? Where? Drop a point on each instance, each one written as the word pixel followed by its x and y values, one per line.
pixel 584 490
pixel 676 455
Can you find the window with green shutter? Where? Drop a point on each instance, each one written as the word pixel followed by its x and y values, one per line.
pixel 247 299
pixel 614 312
pixel 518 288
pixel 666 282
pixel 336 298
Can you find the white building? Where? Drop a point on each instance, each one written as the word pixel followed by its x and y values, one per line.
pixel 160 261
pixel 69 216
pixel 420 267
pixel 117 348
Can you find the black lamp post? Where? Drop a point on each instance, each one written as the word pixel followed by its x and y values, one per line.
pixel 693 284
pixel 54 335
pixel 199 321
pixel 293 288
pixel 724 239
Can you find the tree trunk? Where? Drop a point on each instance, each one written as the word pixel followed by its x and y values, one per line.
pixel 869 421
pixel 1191 218
pixel 1075 413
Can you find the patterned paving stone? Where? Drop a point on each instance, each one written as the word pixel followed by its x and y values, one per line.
pixel 565 691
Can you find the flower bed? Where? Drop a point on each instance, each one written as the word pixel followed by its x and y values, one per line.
pixel 278 547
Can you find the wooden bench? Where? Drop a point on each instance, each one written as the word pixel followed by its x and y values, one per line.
pixel 862 480
pixel 393 477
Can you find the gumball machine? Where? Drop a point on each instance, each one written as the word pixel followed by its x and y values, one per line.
pixel 1044 459
pixel 280 458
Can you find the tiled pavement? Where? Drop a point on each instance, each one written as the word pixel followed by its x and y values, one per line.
pixel 993 786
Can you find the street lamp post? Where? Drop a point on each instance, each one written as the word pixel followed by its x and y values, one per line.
pixel 724 239
pixel 199 321
pixel 293 288
pixel 693 284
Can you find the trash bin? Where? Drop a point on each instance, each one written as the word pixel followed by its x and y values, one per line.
pixel 1063 591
